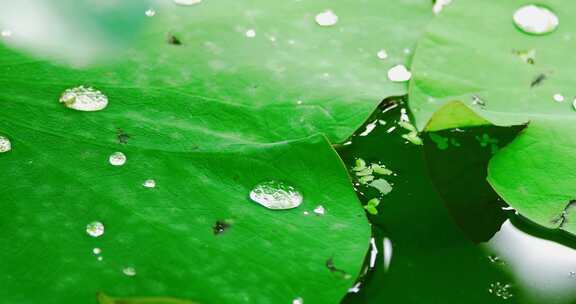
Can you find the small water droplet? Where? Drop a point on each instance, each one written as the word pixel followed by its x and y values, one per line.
pixel 117 159
pixel 298 300
pixel 187 2
pixel 326 18
pixel 129 271
pixel 558 97
pixel 149 183
pixel 399 73
pixel 95 229
pixel 320 210
pixel 306 213
pixel 99 258
pixel 5 144
pixel 96 251
pixel 501 290
pixel 382 54
pixel 494 259
pixel 150 13
pixel 276 195
pixel 299 102
pixel 84 99
pixel 572 274
pixel 439 5
pixel 6 33
pixel 535 19
pixel 250 33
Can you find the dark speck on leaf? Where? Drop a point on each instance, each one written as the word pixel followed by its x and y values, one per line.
pixel 538 80
pixel 122 136
pixel 220 227
pixel 174 40
pixel 333 269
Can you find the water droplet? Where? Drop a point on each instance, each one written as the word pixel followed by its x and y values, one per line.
pixel 501 290
pixel 129 271
pixel 276 195
pixel 95 229
pixel 149 183
pixel 187 2
pixel 399 73
pixel 326 18
pixel 574 104
pixel 535 19
pixel 117 159
pixel 355 288
pixel 439 5
pixel 298 300
pixel 572 274
pixel 6 33
pixel 320 210
pixel 494 259
pixel 150 13
pixel 558 97
pixel 84 99
pixel 96 251
pixel 99 258
pixel 382 54
pixel 250 33
pixel 306 213
pixel 5 144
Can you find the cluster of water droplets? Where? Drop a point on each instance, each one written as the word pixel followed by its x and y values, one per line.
pixel 276 195
pixel 501 290
pixel 84 99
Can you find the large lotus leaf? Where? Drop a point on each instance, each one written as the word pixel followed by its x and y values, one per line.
pixel 207 118
pixel 474 67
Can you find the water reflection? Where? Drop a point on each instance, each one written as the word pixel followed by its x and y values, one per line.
pixel 541 267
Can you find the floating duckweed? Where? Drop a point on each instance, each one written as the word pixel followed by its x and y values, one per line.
pixel 117 159
pixel 276 195
pixel 5 144
pixel 399 73
pixel 371 206
pixel 84 99
pixel 535 19
pixel 326 18
pixel 95 229
pixel 381 185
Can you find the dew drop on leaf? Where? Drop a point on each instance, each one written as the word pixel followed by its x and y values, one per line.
pixel 187 2
pixel 5 144
pixel 96 251
pixel 558 97
pixel 399 73
pixel 535 19
pixel 84 99
pixel 95 229
pixel 250 33
pixel 117 159
pixel 129 271
pixel 149 183
pixel 320 210
pixel 150 13
pixel 326 18
pixel 298 300
pixel 382 54
pixel 276 195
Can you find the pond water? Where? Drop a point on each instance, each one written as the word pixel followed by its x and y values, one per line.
pixel 443 235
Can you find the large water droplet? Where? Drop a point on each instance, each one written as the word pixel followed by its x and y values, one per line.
pixel 129 271
pixel 95 229
pixel 276 195
pixel 84 99
pixel 5 144
pixel 399 73
pixel 187 2
pixel 326 18
pixel 117 159
pixel 535 19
